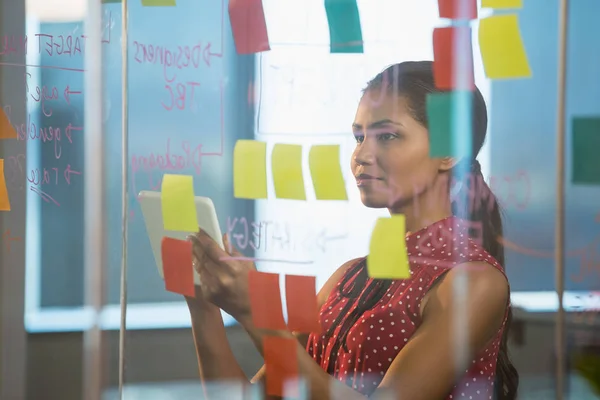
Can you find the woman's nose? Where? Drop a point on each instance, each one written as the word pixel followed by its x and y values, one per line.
pixel 364 154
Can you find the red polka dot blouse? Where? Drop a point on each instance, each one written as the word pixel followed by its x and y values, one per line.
pixel 380 333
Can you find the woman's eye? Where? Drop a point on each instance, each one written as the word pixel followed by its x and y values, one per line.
pixel 359 138
pixel 387 136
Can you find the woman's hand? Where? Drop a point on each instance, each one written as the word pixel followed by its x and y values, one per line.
pixel 223 277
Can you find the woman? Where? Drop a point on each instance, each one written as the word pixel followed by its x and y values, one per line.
pixel 391 336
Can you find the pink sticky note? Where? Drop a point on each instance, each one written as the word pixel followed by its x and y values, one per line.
pixel 281 364
pixel 265 300
pixel 177 266
pixel 453 55
pixel 249 26
pixel 458 9
pixel 302 306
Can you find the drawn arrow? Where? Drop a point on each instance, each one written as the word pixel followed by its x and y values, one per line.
pixel 322 239
pixel 9 239
pixel 207 54
pixel 68 172
pixel 72 128
pixel 68 92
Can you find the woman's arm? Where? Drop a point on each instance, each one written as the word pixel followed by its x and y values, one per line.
pixel 425 369
pixel 322 297
pixel 320 384
pixel 319 381
pixel 215 359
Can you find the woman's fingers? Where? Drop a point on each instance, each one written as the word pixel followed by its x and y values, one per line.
pixel 196 247
pixel 210 247
pixel 229 248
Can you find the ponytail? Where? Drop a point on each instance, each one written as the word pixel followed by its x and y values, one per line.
pixel 483 209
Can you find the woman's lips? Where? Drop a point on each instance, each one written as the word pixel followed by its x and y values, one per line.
pixel 362 180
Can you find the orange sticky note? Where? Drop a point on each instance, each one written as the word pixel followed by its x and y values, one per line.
pixel 4 201
pixel 458 9
pixel 453 58
pixel 177 266
pixel 248 25
pixel 301 301
pixel 281 366
pixel 7 131
pixel 265 300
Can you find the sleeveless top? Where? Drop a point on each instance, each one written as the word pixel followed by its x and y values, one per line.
pixel 377 337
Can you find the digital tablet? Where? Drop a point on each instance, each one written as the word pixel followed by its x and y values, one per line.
pixel 152 212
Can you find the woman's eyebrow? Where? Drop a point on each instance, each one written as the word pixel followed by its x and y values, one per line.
pixel 376 124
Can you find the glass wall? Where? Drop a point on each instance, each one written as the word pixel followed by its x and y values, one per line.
pixel 192 97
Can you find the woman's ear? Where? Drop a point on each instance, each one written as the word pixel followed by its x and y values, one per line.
pixel 447 163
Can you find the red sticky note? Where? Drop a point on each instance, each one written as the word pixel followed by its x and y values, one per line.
pixel 302 306
pixel 177 266
pixel 265 300
pixel 6 129
pixel 248 26
pixel 281 364
pixel 453 55
pixel 458 9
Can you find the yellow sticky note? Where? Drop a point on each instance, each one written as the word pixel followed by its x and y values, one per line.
pixel 502 48
pixel 4 201
pixel 158 3
pixel 388 258
pixel 178 208
pixel 250 170
pixel 7 131
pixel 286 163
pixel 326 172
pixel 502 4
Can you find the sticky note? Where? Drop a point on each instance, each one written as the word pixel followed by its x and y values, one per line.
pixel 326 172
pixel 449 116
pixel 458 9
pixel 4 201
pixel 177 266
pixel 281 366
pixel 7 131
pixel 286 164
pixel 585 163
pixel 453 58
pixel 158 3
pixel 265 300
pixel 502 4
pixel 250 169
pixel 345 31
pixel 388 258
pixel 301 302
pixel 178 208
pixel 249 26
pixel 502 48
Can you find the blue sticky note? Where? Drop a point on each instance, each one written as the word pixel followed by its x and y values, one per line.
pixel 345 32
pixel 585 163
pixel 450 118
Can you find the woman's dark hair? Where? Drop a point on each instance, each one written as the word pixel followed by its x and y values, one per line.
pixel 414 81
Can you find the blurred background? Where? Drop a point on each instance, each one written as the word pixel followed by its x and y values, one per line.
pixel 298 92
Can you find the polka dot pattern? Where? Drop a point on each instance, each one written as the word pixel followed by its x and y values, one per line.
pixel 375 340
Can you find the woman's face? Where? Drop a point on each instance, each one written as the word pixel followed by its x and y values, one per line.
pixel 391 161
